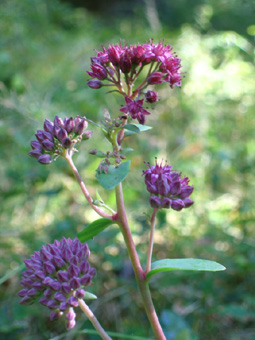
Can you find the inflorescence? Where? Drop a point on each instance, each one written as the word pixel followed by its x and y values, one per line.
pixel 57 275
pixel 167 188
pixel 129 60
pixel 57 137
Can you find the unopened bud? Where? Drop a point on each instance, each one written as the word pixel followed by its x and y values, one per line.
pixel 87 134
pixel 93 152
pixel 94 84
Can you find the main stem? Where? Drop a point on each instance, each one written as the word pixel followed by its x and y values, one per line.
pixel 88 312
pixel 139 273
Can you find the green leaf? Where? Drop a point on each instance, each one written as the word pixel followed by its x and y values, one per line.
pixel 114 175
pixel 183 264
pixel 126 150
pixel 136 128
pixel 99 154
pixel 99 198
pixel 89 296
pixel 94 229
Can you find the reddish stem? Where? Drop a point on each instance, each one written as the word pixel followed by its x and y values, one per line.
pixel 139 273
pixel 100 212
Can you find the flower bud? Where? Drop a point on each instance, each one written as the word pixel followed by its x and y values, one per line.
pixel 36 153
pixel 48 126
pixel 155 202
pixel 55 315
pixel 155 78
pixel 72 301
pixel 66 142
pixel 186 191
pixel 44 159
pixel 58 122
pixel 95 84
pixel 125 63
pixel 177 204
pixel 69 125
pixel 151 96
pixel 62 134
pixel 47 145
pixel 87 134
pixel 36 145
pixel 80 127
pixel 80 293
pixel 187 202
pixel 166 203
pixel 70 324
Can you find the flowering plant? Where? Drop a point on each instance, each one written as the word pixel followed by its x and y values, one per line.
pixel 59 273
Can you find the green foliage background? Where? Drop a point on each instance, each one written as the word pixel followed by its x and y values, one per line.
pixel 205 129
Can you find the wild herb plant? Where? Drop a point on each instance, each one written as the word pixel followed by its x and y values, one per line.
pixel 58 274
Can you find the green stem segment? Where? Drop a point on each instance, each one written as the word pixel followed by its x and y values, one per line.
pixel 149 256
pixel 139 272
pixel 88 312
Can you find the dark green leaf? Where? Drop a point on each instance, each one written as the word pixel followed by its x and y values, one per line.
pixel 183 264
pixel 114 175
pixel 94 229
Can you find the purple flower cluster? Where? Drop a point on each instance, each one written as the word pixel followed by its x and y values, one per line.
pixel 167 188
pixel 135 109
pixel 57 137
pixel 57 275
pixel 111 62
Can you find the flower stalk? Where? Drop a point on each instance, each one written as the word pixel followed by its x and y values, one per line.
pixel 84 189
pixel 90 315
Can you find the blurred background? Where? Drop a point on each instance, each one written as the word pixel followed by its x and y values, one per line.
pixel 205 129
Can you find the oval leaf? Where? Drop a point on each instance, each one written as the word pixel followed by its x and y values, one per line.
pixel 94 229
pixel 183 264
pixel 89 296
pixel 136 128
pixel 114 175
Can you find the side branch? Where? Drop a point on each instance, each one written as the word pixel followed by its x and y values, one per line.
pixel 88 312
pixel 85 190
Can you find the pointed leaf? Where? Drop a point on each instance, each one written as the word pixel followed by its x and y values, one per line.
pixel 183 264
pixel 89 296
pixel 135 128
pixel 99 198
pixel 114 175
pixel 94 229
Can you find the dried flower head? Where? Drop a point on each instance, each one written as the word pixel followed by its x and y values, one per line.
pixel 167 188
pixel 57 275
pixel 57 137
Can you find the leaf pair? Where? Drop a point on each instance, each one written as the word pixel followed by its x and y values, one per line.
pixel 97 226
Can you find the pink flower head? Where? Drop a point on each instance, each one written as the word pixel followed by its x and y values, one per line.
pixel 110 63
pixel 135 109
pixel 167 188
